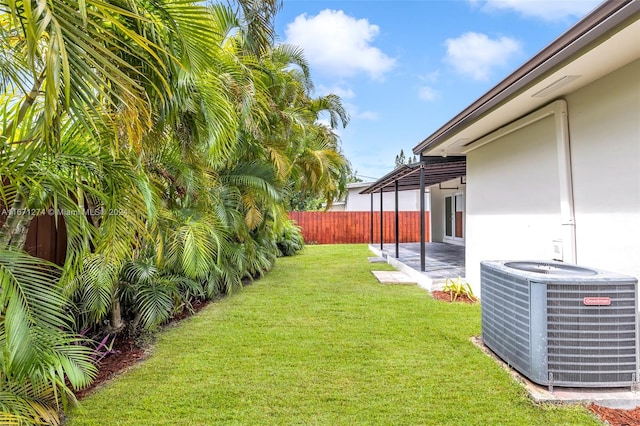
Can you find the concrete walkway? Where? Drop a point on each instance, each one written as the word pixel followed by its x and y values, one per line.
pixel 442 261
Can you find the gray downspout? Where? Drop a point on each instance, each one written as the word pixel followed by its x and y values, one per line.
pixel 567 207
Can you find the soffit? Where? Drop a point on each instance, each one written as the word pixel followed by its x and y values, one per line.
pixel 614 52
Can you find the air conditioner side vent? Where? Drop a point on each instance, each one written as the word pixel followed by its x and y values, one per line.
pixel 505 317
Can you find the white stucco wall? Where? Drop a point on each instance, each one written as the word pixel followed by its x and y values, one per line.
pixel 438 194
pixel 604 122
pixel 407 201
pixel 513 196
pixel 513 200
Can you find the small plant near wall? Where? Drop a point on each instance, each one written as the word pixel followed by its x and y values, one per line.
pixel 459 288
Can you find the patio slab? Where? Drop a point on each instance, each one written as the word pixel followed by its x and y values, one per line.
pixel 393 277
pixel 442 261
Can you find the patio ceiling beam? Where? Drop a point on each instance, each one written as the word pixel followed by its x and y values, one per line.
pixel 437 169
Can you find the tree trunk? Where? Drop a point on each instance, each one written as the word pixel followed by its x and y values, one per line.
pixel 14 230
pixel 136 321
pixel 117 323
pixel 26 104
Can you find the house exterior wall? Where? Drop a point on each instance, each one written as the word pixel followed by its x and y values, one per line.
pixel 604 123
pixel 438 194
pixel 513 197
pixel 407 201
pixel 337 207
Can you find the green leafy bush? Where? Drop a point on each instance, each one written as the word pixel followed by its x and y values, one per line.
pixel 290 240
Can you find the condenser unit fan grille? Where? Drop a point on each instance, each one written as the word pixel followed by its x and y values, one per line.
pixel 591 344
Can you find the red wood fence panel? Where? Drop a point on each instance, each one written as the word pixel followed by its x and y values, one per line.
pixel 44 239
pixel 355 227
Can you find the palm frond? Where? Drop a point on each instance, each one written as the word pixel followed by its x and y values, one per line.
pixel 37 353
pixel 155 301
pixel 95 285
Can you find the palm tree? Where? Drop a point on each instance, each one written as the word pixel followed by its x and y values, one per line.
pixel 185 125
pixel 196 129
pixel 304 151
pixel 74 75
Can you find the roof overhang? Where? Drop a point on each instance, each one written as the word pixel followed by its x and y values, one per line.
pixel 437 169
pixel 602 42
pixel 356 185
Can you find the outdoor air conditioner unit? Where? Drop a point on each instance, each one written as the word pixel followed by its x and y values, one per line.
pixel 560 324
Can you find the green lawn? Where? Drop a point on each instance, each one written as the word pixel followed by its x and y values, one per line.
pixel 319 342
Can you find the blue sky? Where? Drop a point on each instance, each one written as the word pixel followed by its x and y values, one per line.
pixel 404 68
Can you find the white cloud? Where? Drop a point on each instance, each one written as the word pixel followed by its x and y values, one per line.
pixel 355 113
pixel 367 115
pixel 549 10
pixel 476 55
pixel 431 77
pixel 343 92
pixel 427 93
pixel 324 122
pixel 338 44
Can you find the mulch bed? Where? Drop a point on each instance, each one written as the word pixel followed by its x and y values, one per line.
pixel 616 417
pixel 127 352
pixel 446 297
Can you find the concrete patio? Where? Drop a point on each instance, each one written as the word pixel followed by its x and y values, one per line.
pixel 442 261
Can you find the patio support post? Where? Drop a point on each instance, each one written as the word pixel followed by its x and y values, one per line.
pixel 381 223
pixel 422 224
pixel 371 221
pixel 397 225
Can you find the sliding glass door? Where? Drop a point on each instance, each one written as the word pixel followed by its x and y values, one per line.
pixel 454 218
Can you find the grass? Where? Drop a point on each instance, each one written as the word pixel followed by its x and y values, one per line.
pixel 319 342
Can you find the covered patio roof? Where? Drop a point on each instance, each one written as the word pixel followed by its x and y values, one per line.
pixel 437 169
pixel 430 170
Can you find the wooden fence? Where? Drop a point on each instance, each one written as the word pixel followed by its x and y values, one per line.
pixel 355 227
pixel 44 239
pixel 48 241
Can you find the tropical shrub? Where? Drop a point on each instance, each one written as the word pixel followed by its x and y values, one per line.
pixel 290 240
pixel 41 360
pixel 457 288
